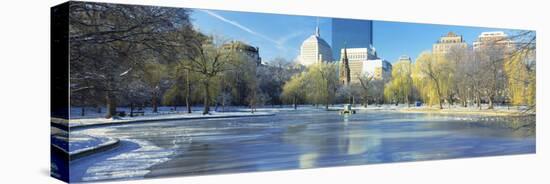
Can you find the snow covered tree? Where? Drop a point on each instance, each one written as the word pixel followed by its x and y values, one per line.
pixel 108 41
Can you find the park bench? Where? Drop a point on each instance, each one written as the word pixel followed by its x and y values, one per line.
pixel 138 112
pixel 121 113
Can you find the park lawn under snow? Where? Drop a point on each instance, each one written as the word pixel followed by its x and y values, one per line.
pixel 160 116
pixel 167 113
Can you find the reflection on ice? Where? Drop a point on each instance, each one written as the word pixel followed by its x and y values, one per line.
pixel 299 139
pixel 307 160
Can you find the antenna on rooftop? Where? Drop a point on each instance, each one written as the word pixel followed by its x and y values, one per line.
pixel 317 32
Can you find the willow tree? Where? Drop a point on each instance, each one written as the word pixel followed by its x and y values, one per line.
pixel 400 86
pixel 153 73
pixel 182 85
pixel 431 78
pixel 293 90
pixel 521 78
pixel 322 81
pixel 520 69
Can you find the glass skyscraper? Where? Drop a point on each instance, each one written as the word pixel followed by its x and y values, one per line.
pixel 351 34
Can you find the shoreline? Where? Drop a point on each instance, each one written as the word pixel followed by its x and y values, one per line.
pixel 482 112
pixel 514 111
pixel 94 122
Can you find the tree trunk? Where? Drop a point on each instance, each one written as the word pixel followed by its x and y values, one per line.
pixel 439 95
pixel 407 101
pixel 328 96
pixel 223 103
pixel 131 109
pixel 451 102
pixel 366 100
pixel 82 111
pixel 187 92
pixel 294 101
pixel 206 97
pixel 491 102
pixel 154 102
pixel 111 105
pixel 478 99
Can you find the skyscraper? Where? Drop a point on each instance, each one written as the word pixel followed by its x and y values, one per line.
pixel 314 49
pixel 352 33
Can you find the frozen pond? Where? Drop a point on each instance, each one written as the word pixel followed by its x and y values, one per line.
pixel 292 140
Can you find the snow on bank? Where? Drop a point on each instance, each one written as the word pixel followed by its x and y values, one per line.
pixel 133 164
pixel 164 117
pixel 454 109
pixel 130 160
pixel 80 145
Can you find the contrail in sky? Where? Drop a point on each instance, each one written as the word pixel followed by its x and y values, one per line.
pixel 238 25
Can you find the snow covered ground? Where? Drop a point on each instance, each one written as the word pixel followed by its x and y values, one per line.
pixel 163 116
pixel 78 143
pixel 454 109
pixel 131 159
pixel 91 112
pixel 92 117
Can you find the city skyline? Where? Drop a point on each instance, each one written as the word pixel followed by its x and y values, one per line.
pixel 148 92
pixel 282 35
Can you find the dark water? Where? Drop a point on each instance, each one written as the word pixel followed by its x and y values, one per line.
pixel 311 139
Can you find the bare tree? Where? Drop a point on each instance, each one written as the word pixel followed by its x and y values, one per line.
pixel 108 41
pixel 365 82
pixel 209 60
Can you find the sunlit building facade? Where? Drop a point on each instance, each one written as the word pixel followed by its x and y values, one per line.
pixel 492 39
pixel 250 52
pixel 315 50
pixel 379 69
pixel 449 42
pixel 362 62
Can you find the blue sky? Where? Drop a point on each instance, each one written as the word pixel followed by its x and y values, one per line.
pixel 393 39
pixel 282 35
pixel 276 35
